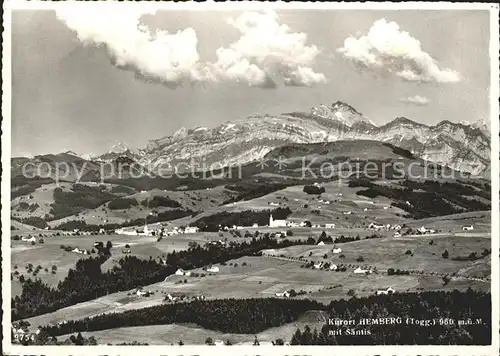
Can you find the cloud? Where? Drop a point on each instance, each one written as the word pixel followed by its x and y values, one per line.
pixel 169 58
pixel 388 49
pixel 416 100
pixel 265 52
pixel 272 48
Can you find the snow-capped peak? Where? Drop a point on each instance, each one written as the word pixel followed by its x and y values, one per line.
pixel 71 153
pixel 85 156
pixel 342 112
pixel 120 147
pixel 482 124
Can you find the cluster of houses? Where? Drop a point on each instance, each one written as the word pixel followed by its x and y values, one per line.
pixel 273 223
pixel 157 230
pixel 319 265
pixel 385 292
pixel 218 243
pixel 172 298
pixel 376 226
pixel 424 230
pixel 334 267
pixel 276 223
pixel 181 272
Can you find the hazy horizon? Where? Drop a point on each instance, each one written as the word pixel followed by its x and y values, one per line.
pixel 79 85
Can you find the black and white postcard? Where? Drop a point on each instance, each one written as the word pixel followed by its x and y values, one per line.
pixel 250 178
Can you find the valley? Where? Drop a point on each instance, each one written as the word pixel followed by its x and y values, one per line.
pixel 303 223
pixel 385 237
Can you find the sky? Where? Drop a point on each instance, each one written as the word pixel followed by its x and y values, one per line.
pixel 86 80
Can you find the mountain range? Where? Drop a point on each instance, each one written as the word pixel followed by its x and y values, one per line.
pixel 461 146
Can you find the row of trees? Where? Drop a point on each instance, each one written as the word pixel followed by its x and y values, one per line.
pixel 240 316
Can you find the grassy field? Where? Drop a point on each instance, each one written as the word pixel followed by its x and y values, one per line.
pixel 196 200
pixel 308 207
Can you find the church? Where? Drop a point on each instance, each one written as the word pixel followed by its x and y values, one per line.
pixel 276 223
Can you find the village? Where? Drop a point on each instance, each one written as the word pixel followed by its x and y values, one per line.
pixel 328 247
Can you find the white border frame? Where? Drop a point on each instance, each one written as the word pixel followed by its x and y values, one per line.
pixel 9 348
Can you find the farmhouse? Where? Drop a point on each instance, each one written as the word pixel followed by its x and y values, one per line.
pixel 284 294
pixel 385 292
pixel 333 267
pixel 28 239
pixel 127 232
pixel 191 230
pixel 255 225
pixel 181 272
pixel 468 228
pixel 213 269
pixel 77 250
pixel 423 230
pixel 397 234
pixel 170 297
pixel 321 243
pixel 142 293
pixel 318 265
pixel 359 270
pixel 337 250
pixel 276 223
pixel 375 226
pixel 347 212
pixel 330 226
